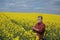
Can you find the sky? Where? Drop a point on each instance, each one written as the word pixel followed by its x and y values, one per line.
pixel 45 6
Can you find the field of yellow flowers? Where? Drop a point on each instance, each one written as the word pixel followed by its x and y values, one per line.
pixel 18 26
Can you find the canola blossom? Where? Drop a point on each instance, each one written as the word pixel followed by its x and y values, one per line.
pixel 18 26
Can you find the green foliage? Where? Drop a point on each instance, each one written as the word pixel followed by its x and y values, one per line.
pixel 10 29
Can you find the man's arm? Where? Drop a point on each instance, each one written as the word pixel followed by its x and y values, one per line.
pixel 35 29
pixel 42 29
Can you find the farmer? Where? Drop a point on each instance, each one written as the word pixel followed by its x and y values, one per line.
pixel 39 28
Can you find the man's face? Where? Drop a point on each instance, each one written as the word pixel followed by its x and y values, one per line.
pixel 39 19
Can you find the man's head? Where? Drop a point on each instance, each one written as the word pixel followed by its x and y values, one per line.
pixel 40 19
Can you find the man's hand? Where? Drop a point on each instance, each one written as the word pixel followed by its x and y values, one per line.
pixel 35 29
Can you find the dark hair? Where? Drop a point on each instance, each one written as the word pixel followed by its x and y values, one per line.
pixel 40 17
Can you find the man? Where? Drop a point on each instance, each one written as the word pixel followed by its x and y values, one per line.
pixel 39 28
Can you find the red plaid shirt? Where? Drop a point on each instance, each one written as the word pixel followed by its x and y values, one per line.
pixel 40 27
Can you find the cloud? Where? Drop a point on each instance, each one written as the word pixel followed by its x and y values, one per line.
pixel 39 8
pixel 11 4
pixel 56 9
pixel 3 8
pixel 30 5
